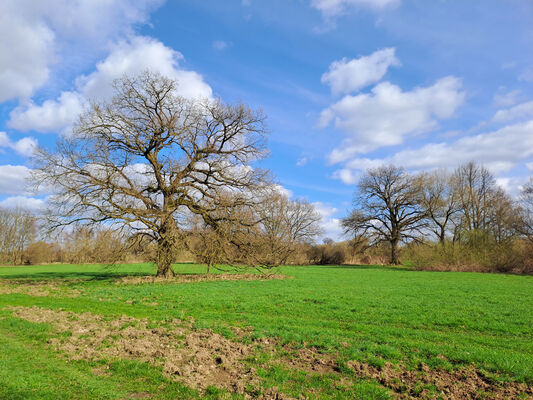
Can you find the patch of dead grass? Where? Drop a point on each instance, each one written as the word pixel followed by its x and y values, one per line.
pixel 185 278
pixel 37 289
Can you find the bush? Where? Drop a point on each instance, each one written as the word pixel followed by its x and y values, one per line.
pixel 513 256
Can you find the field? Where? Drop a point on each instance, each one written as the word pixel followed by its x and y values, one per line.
pixel 346 332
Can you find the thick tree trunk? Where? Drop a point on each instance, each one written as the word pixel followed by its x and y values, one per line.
pixel 166 248
pixel 394 252
pixel 165 257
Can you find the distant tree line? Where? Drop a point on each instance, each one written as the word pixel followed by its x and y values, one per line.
pixel 458 220
pixel 442 219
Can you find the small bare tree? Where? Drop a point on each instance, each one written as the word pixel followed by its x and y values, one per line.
pixel 264 236
pixel 147 159
pixel 284 224
pixel 387 208
pixel 440 200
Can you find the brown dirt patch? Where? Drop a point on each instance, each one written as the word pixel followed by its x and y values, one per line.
pixel 198 358
pixel 464 384
pixel 185 278
pixel 311 360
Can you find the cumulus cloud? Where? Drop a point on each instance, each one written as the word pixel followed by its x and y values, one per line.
pixel 24 146
pixel 520 111
pixel 50 116
pixel 28 203
pixel 506 99
pixel 332 8
pixel 388 115
pixel 13 180
pixel 500 150
pixel 347 76
pixel 127 57
pixel 34 35
pixel 331 225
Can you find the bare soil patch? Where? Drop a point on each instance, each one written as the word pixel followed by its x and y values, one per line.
pixel 464 384
pixel 185 278
pixel 200 358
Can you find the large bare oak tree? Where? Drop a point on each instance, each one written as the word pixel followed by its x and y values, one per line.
pixel 146 160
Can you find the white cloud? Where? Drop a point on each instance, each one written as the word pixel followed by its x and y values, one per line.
pixel 520 111
pixel 135 56
pixel 387 115
pixel 347 76
pixel 127 57
pixel 331 226
pixel 500 151
pixel 511 185
pixel 24 146
pixel 301 161
pixel 332 8
pixel 220 45
pixel 28 203
pixel 13 180
pixel 527 75
pixel 51 116
pixel 35 34
pixel 283 190
pixel 507 99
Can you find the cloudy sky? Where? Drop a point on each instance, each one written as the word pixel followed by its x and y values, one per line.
pixel 346 84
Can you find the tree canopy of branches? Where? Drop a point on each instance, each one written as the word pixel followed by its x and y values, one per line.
pixel 146 160
pixel 277 227
pixel 387 208
pixel 440 200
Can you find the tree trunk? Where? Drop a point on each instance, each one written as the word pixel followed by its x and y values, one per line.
pixel 394 252
pixel 166 248
pixel 165 257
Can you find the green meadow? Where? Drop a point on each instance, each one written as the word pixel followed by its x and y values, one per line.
pixel 371 314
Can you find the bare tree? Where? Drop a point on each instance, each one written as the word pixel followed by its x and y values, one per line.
pixel 440 199
pixel 387 208
pixel 525 223
pixel 284 224
pixel 147 159
pixel 265 236
pixel 17 231
pixel 475 185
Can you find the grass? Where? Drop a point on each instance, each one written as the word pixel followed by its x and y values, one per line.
pixel 374 314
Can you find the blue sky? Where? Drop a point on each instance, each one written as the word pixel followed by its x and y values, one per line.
pixel 345 84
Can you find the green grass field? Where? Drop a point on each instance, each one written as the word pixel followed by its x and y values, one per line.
pixel 375 315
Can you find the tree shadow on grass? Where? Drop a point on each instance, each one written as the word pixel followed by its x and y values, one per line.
pixel 371 267
pixel 86 276
pixel 72 273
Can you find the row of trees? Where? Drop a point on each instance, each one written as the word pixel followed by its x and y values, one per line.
pixel 153 170
pixel 284 227
pixel 465 207
pixel 17 231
